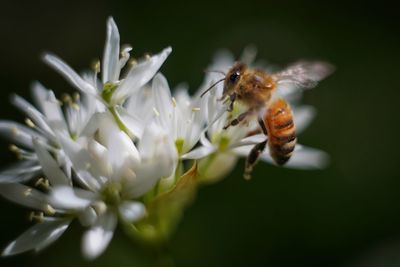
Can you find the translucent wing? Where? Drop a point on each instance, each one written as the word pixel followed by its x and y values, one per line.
pixel 304 74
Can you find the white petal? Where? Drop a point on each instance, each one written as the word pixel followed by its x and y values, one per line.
pixel 199 152
pixel 308 158
pixel 122 152
pixel 34 114
pixel 97 238
pixel 303 157
pixel 158 159
pixel 65 197
pixel 37 237
pixel 19 172
pixel 24 195
pixel 18 133
pixel 83 163
pixel 162 99
pixel 131 211
pixel 139 75
pixel 50 167
pixel 69 74
pixel 303 116
pixel 111 53
pixel 49 105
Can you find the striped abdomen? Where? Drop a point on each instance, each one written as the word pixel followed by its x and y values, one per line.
pixel 281 131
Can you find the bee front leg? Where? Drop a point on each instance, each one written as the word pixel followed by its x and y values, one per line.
pixel 252 159
pixel 237 120
pixel 232 98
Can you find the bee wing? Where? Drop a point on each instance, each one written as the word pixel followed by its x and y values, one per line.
pixel 304 74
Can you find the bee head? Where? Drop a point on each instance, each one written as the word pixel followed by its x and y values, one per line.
pixel 233 78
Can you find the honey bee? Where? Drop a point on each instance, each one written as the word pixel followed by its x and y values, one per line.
pixel 256 90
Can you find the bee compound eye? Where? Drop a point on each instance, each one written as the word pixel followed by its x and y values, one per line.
pixel 234 77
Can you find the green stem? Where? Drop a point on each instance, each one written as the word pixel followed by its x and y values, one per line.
pixel 118 120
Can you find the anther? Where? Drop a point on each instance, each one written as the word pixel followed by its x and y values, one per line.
pixel 147 56
pixel 156 112
pixel 132 62
pixel 195 109
pixel 174 102
pixel 75 106
pixel 50 210
pixel 27 192
pixel 14 148
pixel 96 66
pixel 76 97
pixel 66 98
pixel 29 122
pixel 42 182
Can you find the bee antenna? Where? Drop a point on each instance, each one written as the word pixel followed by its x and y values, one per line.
pixel 216 71
pixel 209 88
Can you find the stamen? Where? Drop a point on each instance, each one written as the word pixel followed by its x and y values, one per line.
pixel 29 122
pixel 156 112
pixel 37 216
pixel 195 109
pixel 174 102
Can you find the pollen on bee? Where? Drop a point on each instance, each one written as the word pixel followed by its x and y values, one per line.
pixel 29 122
pixel 156 112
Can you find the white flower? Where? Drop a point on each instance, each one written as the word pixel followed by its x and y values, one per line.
pixel 113 175
pixel 45 123
pixel 52 219
pixel 113 90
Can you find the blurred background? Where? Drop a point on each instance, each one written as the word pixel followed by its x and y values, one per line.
pixel 345 215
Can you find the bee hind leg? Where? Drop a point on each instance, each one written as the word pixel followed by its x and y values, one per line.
pixel 252 159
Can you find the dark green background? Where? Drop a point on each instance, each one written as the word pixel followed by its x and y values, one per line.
pixel 346 215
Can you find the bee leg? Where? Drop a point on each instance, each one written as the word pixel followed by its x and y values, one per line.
pixel 252 159
pixel 262 126
pixel 232 98
pixel 237 120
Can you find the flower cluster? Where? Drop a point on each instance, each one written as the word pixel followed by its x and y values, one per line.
pixel 124 150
